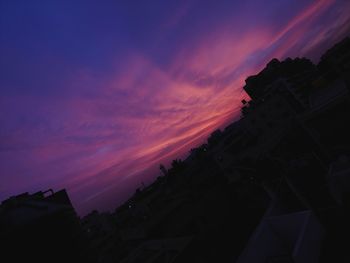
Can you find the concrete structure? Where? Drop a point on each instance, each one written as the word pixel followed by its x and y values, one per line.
pixel 295 237
pixel 339 180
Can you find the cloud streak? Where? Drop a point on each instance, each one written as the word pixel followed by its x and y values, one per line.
pixel 99 130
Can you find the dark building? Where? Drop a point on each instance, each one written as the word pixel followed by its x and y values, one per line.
pixel 257 85
pixel 41 227
pixel 336 61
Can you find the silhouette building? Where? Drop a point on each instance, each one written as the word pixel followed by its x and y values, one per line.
pixel 42 227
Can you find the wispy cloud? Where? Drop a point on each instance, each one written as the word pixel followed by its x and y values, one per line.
pixel 99 132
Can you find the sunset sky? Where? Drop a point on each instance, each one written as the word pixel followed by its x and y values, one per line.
pixel 96 94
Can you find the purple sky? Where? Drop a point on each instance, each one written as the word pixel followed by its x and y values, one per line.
pixel 96 94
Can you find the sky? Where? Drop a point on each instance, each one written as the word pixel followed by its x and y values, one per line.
pixel 94 95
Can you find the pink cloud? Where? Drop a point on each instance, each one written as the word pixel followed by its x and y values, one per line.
pixel 128 121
